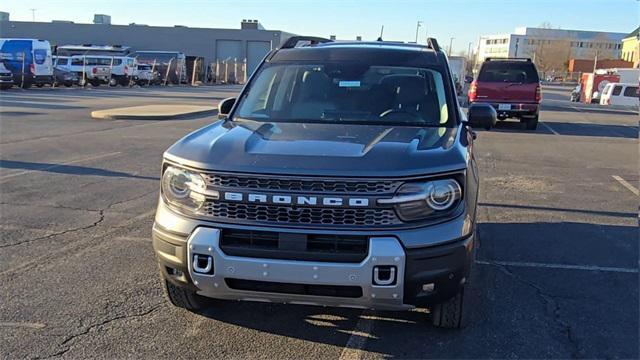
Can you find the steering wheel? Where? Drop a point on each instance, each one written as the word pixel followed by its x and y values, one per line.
pixel 401 114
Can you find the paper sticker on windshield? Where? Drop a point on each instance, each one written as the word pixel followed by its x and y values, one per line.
pixel 345 83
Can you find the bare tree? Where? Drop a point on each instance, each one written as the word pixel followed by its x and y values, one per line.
pixel 550 55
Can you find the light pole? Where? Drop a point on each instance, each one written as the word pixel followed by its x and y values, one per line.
pixel 33 14
pixel 469 51
pixel 450 45
pixel 417 29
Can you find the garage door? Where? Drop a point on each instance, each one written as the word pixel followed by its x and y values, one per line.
pixel 228 51
pixel 256 50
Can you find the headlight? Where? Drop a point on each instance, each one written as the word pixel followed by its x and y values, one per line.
pixel 183 188
pixel 417 201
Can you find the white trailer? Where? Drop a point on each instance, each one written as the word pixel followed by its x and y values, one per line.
pixel 458 66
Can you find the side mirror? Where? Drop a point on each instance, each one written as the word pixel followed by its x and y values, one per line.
pixel 224 107
pixel 482 115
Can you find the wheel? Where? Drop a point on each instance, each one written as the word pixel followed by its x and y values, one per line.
pixel 5 87
pixel 94 83
pixel 531 123
pixel 113 82
pixel 185 298
pixel 68 84
pixel 449 314
pixel 26 85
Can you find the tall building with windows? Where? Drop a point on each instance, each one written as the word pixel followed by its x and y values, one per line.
pixel 551 46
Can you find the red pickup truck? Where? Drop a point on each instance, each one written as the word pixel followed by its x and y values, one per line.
pixel 511 86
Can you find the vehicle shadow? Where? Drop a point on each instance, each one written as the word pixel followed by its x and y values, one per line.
pixel 589 108
pixel 598 130
pixel 511 311
pixel 66 170
pixel 36 105
pixel 568 129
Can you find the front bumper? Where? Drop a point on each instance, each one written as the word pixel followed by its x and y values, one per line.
pixel 428 272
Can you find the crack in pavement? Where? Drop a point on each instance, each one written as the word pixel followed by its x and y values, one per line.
pixel 67 231
pixel 98 325
pixel 72 247
pixel 549 300
pixel 101 214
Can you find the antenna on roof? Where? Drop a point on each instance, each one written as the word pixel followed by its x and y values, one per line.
pixel 381 31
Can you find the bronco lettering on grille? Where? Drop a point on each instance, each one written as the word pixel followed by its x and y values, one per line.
pixel 303 200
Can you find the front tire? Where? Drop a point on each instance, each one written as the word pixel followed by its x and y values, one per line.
pixel 449 314
pixel 184 298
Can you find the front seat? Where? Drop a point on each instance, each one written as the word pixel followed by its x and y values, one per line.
pixel 409 91
pixel 412 95
pixel 313 96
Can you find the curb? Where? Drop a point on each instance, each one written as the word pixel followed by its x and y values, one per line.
pixel 104 115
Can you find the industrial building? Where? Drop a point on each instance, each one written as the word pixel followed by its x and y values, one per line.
pixel 568 44
pixel 246 45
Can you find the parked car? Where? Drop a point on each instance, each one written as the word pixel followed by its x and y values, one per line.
pixel 144 74
pixel 619 94
pixel 103 69
pixel 65 77
pixel 29 60
pixel 6 78
pixel 511 86
pixel 343 174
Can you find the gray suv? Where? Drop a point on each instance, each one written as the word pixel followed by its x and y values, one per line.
pixel 342 175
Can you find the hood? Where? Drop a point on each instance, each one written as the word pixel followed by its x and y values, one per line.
pixel 320 149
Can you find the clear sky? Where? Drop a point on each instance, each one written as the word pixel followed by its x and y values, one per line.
pixel 464 20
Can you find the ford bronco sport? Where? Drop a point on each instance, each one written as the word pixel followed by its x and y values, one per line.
pixel 342 175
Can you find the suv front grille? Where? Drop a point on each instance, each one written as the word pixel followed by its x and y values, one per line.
pixel 288 214
pixel 300 215
pixel 308 185
pixel 303 247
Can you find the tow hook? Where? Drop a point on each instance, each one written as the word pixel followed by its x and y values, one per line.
pixel 202 264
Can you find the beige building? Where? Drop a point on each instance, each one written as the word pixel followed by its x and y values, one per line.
pixel 631 48
pixel 550 49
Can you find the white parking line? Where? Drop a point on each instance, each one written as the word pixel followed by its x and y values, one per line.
pixel 559 266
pixel 353 349
pixel 624 183
pixel 53 166
pixel 549 128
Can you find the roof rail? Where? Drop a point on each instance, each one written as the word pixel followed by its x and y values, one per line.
pixel 508 58
pixel 433 44
pixel 294 40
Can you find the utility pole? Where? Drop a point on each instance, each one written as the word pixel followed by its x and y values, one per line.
pixel 450 45
pixel 417 29
pixel 33 14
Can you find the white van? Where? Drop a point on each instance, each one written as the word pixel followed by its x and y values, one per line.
pixel 619 94
pixel 28 59
pixel 103 69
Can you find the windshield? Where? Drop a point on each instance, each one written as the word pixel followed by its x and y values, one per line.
pixel 513 72
pixel 346 93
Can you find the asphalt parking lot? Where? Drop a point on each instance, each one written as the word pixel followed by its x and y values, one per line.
pixel 556 274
